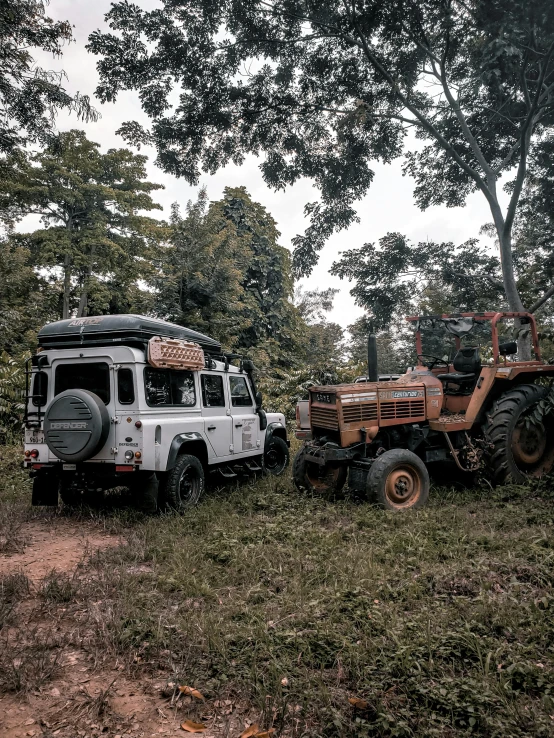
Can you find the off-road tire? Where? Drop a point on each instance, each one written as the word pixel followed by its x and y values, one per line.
pixel 276 457
pixel 503 421
pixel 184 484
pixel 398 480
pixel 326 482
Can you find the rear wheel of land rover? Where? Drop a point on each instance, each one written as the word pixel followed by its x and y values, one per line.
pixel 184 483
pixel 326 481
pixel 398 480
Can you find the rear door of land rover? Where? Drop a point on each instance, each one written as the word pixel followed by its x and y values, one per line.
pixel 95 374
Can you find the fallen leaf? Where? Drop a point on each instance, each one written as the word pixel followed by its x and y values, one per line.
pixel 252 730
pixel 191 727
pixel 358 704
pixel 192 692
pixel 285 682
pixel 265 734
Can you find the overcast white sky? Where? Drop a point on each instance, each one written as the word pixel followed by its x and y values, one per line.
pixel 388 207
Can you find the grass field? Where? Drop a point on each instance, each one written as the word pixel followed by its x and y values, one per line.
pixel 439 622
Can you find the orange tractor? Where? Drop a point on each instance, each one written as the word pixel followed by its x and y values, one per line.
pixel 472 409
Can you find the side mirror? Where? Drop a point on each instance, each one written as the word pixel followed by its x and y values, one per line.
pixel 508 348
pixel 259 400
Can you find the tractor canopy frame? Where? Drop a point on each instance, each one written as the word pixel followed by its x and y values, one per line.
pixel 456 324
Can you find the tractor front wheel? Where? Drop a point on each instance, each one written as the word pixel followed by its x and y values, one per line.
pixel 326 481
pixel 518 450
pixel 398 480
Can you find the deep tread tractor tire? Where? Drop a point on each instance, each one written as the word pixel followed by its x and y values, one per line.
pixel 325 481
pixel 276 457
pixel 516 452
pixel 184 483
pixel 398 480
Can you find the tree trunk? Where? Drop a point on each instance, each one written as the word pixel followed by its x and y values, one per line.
pixel 66 286
pixel 83 301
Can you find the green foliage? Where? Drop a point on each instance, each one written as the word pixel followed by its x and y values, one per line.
pixel 333 86
pixel 90 205
pixel 27 299
pixel 399 278
pixel 12 396
pixel 225 274
pixel 30 96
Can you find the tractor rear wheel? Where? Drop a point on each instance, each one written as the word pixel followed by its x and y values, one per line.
pixel 326 481
pixel 398 480
pixel 518 451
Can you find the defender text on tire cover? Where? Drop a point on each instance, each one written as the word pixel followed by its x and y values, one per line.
pixel 76 425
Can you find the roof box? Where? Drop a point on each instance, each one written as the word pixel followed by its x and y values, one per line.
pixel 128 330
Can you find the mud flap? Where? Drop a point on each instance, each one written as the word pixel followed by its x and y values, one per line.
pixel 146 493
pixel 45 490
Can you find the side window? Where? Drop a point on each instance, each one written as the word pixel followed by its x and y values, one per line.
pixel 169 387
pixel 240 395
pixel 40 389
pixel 125 386
pixel 212 391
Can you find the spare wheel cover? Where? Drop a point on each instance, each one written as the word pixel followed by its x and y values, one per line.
pixel 76 425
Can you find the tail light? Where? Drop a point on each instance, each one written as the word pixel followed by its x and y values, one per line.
pixel 34 453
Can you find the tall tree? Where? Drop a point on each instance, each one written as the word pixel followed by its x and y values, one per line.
pixel 90 205
pixel 29 95
pixel 225 273
pixel 331 85
pixel 322 342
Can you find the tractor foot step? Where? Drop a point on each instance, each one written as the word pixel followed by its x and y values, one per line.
pixel 252 466
pixel 227 472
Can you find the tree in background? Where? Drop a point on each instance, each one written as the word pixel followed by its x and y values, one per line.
pixel 224 273
pixel 333 85
pixel 398 278
pixel 395 347
pixel 27 300
pixel 90 206
pixel 29 95
pixel 322 342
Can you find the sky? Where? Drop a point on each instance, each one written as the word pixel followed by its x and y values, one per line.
pixel 388 206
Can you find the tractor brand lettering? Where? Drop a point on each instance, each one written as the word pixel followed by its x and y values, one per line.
pixel 68 426
pixel 406 393
pixel 324 397
pixel 85 321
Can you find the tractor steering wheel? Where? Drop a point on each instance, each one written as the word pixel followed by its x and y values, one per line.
pixel 435 361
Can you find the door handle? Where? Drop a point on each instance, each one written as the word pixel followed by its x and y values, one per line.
pixel 212 427
pixel 238 425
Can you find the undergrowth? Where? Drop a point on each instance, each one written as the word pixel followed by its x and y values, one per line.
pixel 439 622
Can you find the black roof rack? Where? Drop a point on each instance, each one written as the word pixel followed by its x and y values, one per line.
pixel 127 330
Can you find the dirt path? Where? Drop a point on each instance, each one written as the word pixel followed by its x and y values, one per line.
pixel 84 700
pixel 58 545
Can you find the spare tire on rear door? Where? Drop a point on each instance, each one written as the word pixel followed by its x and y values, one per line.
pixel 76 425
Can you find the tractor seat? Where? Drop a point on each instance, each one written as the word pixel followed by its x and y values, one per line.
pixel 467 364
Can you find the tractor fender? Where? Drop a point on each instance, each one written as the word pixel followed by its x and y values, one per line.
pixel 192 439
pixel 275 429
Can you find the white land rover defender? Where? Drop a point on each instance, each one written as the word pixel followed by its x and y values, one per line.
pixel 126 400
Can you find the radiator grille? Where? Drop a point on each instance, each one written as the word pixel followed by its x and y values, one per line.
pixel 402 409
pixel 324 417
pixel 358 412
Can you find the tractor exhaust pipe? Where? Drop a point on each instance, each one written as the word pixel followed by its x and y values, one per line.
pixel 372 369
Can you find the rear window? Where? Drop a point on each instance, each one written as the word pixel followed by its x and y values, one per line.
pixel 125 386
pixel 169 387
pixel 94 377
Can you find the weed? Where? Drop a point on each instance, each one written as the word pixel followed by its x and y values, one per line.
pixel 58 587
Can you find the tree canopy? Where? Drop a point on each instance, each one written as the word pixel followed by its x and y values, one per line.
pixel 91 208
pixel 30 96
pixel 323 88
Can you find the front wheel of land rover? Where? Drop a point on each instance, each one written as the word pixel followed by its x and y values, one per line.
pixel 184 483
pixel 276 457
